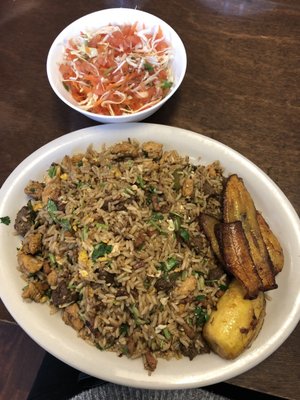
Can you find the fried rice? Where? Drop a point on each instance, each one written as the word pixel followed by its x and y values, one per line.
pixel 112 242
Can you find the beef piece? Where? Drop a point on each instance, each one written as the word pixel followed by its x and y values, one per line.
pixel 106 276
pixel 62 295
pixel 163 284
pixel 139 240
pixel 215 273
pixel 150 362
pixel 24 221
pixel 190 352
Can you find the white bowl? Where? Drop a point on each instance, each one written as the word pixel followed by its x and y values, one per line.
pixel 117 16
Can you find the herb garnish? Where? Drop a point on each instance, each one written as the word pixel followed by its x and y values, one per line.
pixel 100 250
pixel 5 220
pixel 201 316
pixel 63 222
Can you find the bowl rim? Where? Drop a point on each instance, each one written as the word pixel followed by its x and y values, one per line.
pixel 118 118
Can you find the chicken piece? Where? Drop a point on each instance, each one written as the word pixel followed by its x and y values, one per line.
pixel 236 322
pixel 125 149
pixel 35 291
pixel 187 187
pixel 32 243
pixel 152 149
pixel 51 191
pixel 52 278
pixel 272 244
pixel 239 206
pixel 34 189
pixel 28 263
pixel 186 287
pixel 71 317
pixel 170 157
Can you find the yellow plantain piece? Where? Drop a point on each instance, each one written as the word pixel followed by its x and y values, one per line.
pixel 209 224
pixel 272 243
pixel 235 323
pixel 239 206
pixel 237 257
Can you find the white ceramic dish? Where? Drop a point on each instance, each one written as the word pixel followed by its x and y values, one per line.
pixel 115 16
pixel 283 310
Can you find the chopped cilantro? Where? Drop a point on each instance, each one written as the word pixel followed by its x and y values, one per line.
pixel 200 297
pixel 167 333
pixel 52 171
pixel 140 182
pixel 63 222
pixel 156 216
pixel 201 316
pixel 184 234
pixel 148 67
pixel 166 84
pixel 223 287
pixel 100 250
pixel 5 220
pixel 124 329
pixel 168 265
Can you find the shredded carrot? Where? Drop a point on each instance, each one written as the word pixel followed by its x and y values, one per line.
pixel 117 70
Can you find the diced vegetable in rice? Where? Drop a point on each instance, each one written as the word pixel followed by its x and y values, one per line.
pixel 114 245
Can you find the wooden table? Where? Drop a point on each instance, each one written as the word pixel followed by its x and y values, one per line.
pixel 242 87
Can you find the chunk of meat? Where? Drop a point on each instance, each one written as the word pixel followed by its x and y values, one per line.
pixel 131 345
pixel 34 189
pixel 28 263
pixel 51 191
pixel 186 287
pixel 24 221
pixel 52 278
pixel 163 284
pixel 139 240
pixel 71 317
pixel 125 149
pixel 187 187
pixel 32 243
pixel 150 362
pixel 35 291
pixel 62 296
pixel 170 157
pixel 189 331
pixel 152 149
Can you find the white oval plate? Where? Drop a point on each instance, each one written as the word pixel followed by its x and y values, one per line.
pixel 49 331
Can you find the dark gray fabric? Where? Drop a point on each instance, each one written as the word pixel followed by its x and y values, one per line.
pixel 111 392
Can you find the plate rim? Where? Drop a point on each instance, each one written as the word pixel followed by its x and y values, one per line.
pixel 66 140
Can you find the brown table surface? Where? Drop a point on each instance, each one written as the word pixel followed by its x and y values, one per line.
pixel 241 88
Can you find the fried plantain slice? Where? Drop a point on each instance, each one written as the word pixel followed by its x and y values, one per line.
pixel 237 257
pixel 272 243
pixel 209 225
pixel 239 206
